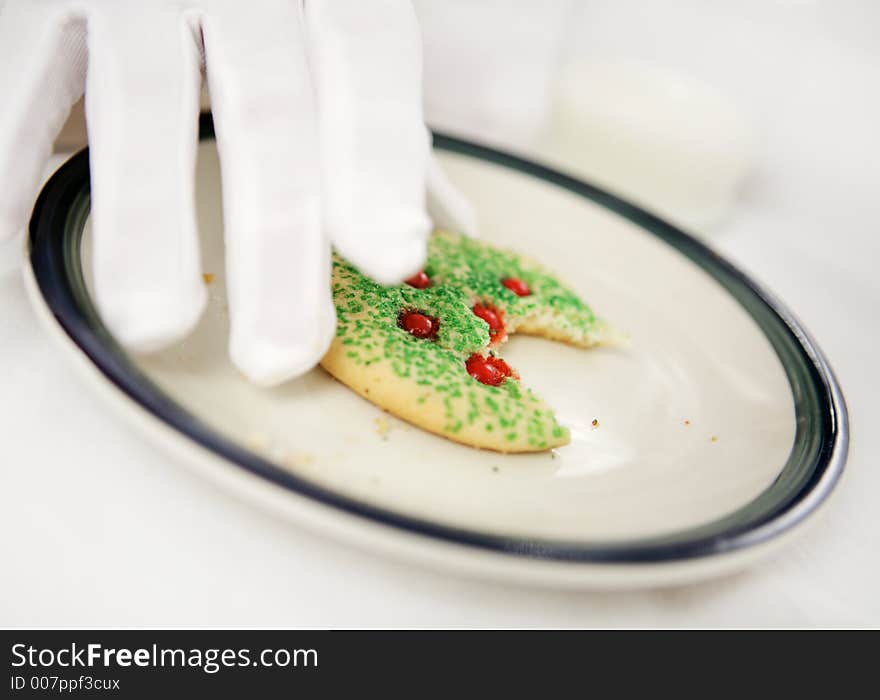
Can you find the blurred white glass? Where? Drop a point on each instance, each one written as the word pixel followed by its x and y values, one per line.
pixel 666 141
pixel 519 74
pixel 676 103
pixel 490 65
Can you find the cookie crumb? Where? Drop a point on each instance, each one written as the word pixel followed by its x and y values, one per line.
pixel 300 459
pixel 383 427
pixel 714 438
pixel 687 422
pixel 208 277
pixel 595 423
pixel 257 441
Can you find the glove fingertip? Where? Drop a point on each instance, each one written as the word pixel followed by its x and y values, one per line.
pixel 388 254
pixel 447 206
pixel 268 362
pixel 152 321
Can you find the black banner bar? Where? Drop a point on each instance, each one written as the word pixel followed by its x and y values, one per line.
pixel 239 663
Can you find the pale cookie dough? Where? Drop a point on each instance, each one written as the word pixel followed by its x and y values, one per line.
pixel 415 352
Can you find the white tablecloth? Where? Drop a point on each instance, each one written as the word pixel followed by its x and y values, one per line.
pixel 100 529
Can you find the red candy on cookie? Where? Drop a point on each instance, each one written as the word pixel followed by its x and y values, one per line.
pixel 495 319
pixel 419 325
pixel 420 280
pixel 488 370
pixel 517 286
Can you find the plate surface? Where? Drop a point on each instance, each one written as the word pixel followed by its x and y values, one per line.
pixel 719 429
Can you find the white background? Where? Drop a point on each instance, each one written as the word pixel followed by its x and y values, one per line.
pixel 100 529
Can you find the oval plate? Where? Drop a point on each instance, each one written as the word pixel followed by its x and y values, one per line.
pixel 694 451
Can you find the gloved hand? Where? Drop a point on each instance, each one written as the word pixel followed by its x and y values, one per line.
pixel 317 109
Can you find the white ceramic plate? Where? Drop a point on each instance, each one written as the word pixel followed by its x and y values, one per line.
pixel 719 429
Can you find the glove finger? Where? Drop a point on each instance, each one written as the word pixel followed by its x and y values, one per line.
pixel 142 94
pixel 277 258
pixel 367 68
pixel 42 72
pixel 447 206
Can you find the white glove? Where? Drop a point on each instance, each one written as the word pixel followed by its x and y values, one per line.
pixel 318 115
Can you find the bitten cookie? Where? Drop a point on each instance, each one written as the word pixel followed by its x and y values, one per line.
pixel 428 350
